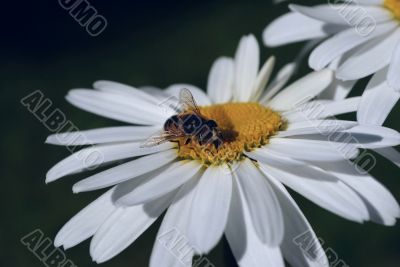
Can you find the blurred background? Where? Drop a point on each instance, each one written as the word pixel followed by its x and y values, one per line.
pixel 145 43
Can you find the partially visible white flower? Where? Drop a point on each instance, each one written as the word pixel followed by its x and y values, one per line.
pixel 358 38
pixel 238 190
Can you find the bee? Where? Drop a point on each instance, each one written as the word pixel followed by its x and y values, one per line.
pixel 189 124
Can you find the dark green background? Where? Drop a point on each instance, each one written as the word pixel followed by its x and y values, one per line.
pixel 146 43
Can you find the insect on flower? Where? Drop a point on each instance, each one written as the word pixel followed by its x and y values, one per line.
pixel 188 124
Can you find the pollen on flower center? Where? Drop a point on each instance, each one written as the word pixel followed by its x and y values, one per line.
pixel 394 7
pixel 245 126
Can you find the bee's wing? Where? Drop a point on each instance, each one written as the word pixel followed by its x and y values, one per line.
pixel 187 101
pixel 160 137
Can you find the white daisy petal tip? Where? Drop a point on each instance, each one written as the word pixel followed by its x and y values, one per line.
pixel 102 84
pixel 50 177
pixel 53 175
pixel 99 84
pixel 80 187
pixel 271 60
pixel 343 75
pixel 75 92
pixel 328 73
pixel 58 241
pixel 64 243
pixel 67 246
pixel 125 201
pixel 49 140
pixel 76 188
pixel 294 27
pixel 57 139
pixel 327 76
pixel 266 38
pixel 249 38
pixel 99 260
pixel 120 202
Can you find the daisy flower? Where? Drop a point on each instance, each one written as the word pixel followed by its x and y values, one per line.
pixel 236 188
pixel 356 38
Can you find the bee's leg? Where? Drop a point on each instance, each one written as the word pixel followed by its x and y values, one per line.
pixel 217 143
pixel 200 141
pixel 175 141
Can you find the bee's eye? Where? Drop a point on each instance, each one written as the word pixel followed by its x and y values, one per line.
pixel 212 124
pixel 171 122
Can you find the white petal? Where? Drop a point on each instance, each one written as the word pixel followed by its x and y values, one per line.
pixel 158 93
pixel 322 189
pixel 84 224
pixel 345 142
pixel 338 90
pixel 95 156
pixel 243 240
pixel 394 69
pixel 200 97
pixel 124 226
pixel 351 15
pixel 390 153
pixel 369 58
pixel 123 89
pixel 171 249
pixel 102 135
pixel 302 90
pixel 118 107
pixel 265 212
pixel 377 100
pixel 316 126
pixel 373 136
pixel 300 245
pixel 382 206
pixel 273 158
pixel 368 2
pixel 247 60
pixel 316 110
pixel 210 208
pixel 281 78
pixel 343 42
pixel 263 78
pixel 294 27
pixel 177 174
pixel 315 150
pixel 125 171
pixel 334 65
pixel 220 80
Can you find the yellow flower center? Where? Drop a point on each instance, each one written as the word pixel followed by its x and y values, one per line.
pixel 248 126
pixel 394 7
